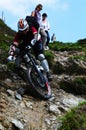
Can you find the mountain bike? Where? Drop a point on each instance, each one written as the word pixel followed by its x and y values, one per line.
pixel 36 76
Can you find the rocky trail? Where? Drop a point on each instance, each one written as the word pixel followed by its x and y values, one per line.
pixel 30 112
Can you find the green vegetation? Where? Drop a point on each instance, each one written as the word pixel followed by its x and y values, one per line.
pixel 81 57
pixel 80 45
pixel 75 119
pixel 6 37
pixel 60 46
pixel 4 29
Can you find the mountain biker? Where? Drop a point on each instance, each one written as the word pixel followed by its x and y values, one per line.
pixel 28 35
pixel 36 13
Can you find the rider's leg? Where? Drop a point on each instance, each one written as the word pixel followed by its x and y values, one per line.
pixel 38 50
pixel 44 62
pixel 45 65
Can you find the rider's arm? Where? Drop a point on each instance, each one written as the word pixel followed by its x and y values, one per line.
pixel 14 44
pixel 17 39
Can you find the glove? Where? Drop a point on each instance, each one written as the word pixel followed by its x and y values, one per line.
pixel 11 50
pixel 33 41
pixel 11 58
pixel 14 50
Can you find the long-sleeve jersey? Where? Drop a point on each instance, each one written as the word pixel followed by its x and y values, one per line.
pixel 26 38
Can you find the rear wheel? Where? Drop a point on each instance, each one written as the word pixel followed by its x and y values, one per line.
pixel 40 85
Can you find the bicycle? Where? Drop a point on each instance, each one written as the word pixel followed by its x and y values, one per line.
pixel 36 76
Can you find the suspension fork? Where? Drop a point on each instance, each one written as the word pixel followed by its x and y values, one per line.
pixel 34 65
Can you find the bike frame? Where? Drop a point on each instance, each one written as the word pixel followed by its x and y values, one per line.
pixel 32 61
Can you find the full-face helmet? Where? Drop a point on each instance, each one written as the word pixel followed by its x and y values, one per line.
pixel 22 25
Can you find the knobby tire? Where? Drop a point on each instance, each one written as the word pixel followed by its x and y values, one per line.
pixel 41 87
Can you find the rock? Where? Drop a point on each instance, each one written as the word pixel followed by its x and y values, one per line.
pixel 10 92
pixel 54 109
pixel 18 124
pixel 1 127
pixel 18 96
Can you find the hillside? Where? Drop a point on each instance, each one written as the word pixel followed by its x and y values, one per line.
pixel 6 38
pixel 68 66
pixel 6 33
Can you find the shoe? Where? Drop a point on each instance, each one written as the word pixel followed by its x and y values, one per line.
pixel 11 58
pixel 46 48
pixel 49 76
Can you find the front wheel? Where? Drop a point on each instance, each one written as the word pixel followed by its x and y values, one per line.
pixel 40 85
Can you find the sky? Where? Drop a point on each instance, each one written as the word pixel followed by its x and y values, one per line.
pixel 67 18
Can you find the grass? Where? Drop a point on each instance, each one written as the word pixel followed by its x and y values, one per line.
pixel 59 46
pixel 75 119
pixel 83 57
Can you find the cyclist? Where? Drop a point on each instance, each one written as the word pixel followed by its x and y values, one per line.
pixel 28 35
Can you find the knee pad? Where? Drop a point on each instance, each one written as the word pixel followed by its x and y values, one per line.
pixel 44 62
pixel 41 57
